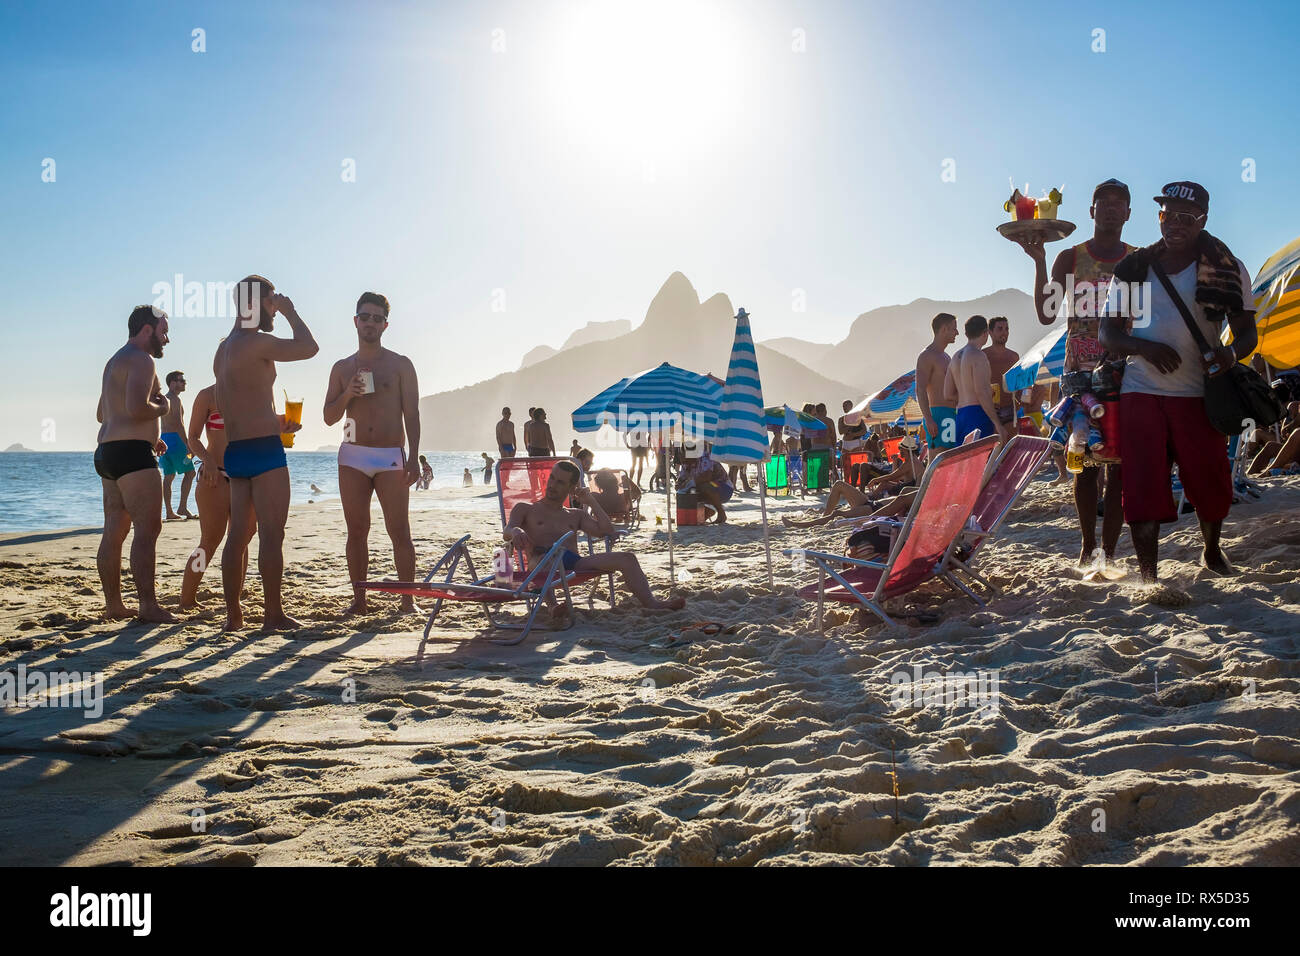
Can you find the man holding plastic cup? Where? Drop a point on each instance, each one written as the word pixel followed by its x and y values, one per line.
pixel 376 394
pixel 254 461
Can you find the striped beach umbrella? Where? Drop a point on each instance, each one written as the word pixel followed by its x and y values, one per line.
pixel 1277 304
pixel 742 435
pixel 896 399
pixel 783 416
pixel 670 401
pixel 656 399
pixel 1042 363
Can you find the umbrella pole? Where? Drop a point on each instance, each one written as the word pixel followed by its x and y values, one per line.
pixel 668 509
pixel 762 504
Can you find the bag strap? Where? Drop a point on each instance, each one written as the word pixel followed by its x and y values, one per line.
pixel 1177 300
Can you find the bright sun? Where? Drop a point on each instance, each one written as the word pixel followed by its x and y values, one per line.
pixel 645 79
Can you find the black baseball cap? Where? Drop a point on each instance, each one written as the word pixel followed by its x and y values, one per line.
pixel 1112 184
pixel 1194 193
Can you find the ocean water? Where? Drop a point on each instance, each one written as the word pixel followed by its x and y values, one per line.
pixel 43 491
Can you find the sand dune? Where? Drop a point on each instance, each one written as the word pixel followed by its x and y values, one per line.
pixel 1170 715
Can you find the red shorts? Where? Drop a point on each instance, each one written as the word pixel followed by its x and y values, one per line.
pixel 1157 431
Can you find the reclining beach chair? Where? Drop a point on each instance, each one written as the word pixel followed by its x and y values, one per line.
pixel 817 469
pixel 1009 474
pixel 529 586
pixel 923 549
pixel 518 480
pixel 777 476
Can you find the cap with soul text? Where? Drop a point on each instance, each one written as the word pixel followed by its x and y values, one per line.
pixel 1194 193
pixel 1112 184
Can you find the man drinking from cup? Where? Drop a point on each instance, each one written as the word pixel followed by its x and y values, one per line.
pixel 254 459
pixel 376 394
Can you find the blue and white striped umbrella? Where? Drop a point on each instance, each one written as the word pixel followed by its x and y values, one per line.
pixel 742 437
pixel 1042 363
pixel 655 400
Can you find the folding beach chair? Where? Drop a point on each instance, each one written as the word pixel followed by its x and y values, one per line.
pixel 923 549
pixel 518 480
pixel 1007 477
pixel 777 476
pixel 817 469
pixel 628 512
pixel 529 586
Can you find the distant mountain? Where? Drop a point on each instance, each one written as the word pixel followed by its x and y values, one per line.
pixel 678 328
pixel 328 448
pixel 591 332
pixel 805 353
pixel 884 343
pixel 17 446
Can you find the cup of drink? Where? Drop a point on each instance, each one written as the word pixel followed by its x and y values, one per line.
pixel 997 393
pixel 368 380
pixel 292 413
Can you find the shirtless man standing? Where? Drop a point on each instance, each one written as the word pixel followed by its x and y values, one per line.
pixel 177 459
pixel 969 371
pixel 506 435
pixel 937 409
pixel 130 404
pixel 254 460
pixel 1001 359
pixel 540 442
pixel 534 529
pixel 371 457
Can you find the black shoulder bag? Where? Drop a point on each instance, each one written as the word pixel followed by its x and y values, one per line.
pixel 1233 397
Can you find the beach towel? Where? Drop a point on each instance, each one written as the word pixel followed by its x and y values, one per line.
pixel 1218 280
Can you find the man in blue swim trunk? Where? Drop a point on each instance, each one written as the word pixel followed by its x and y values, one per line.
pixel 177 459
pixel 534 529
pixel 254 460
pixel 969 374
pixel 937 407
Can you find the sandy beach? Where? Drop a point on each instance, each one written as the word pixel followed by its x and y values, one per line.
pixel 1168 715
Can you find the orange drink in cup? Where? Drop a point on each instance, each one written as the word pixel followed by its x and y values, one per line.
pixel 292 413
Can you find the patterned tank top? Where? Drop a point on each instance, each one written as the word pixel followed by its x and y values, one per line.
pixel 1091 280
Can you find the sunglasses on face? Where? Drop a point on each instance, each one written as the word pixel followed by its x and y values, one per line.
pixel 1180 218
pixel 372 317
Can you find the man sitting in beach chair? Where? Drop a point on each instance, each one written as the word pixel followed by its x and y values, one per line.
pixel 534 528
pixel 866 503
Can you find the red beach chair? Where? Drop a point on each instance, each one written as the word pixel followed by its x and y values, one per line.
pixel 518 480
pixel 923 549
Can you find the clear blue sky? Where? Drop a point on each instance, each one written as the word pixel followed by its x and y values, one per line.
pixel 595 150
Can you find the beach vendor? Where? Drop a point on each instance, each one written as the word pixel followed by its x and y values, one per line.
pixel 1079 282
pixel 1162 399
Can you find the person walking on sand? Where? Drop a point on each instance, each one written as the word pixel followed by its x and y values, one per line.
pixel 1080 277
pixel 937 406
pixel 254 459
pixel 534 528
pixel 131 404
pixel 378 393
pixel 505 435
pixel 177 459
pixel 211 494
pixel 1187 279
pixel 969 374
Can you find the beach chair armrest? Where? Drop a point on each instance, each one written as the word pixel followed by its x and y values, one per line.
pixel 820 556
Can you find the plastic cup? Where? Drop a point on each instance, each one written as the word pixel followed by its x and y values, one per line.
pixel 292 413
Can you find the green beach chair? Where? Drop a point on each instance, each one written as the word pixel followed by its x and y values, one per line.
pixel 777 476
pixel 817 469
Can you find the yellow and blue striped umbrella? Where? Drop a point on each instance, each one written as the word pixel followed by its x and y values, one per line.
pixel 1277 304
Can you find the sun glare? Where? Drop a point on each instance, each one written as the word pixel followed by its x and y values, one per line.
pixel 643 80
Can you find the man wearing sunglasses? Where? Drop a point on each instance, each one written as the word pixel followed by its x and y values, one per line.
pixel 375 392
pixel 254 459
pixel 1162 400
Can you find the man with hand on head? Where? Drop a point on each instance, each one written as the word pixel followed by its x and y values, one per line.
pixel 254 461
